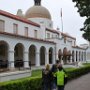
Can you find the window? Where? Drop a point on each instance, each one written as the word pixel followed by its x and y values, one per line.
pixel 48 35
pixel 26 31
pixel 15 28
pixel 41 22
pixel 35 33
pixel 50 25
pixel 56 36
pixel 52 36
pixel 64 39
pixel 74 43
pixel 2 25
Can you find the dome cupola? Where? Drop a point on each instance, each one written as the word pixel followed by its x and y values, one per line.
pixel 37 11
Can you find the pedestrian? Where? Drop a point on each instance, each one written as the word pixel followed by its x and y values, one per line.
pixel 53 71
pixel 61 76
pixel 46 78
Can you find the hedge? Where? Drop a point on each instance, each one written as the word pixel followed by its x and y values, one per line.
pixel 35 83
pixel 72 74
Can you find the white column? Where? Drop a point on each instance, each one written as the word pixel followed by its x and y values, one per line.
pixel 78 57
pixel 26 59
pixel 11 59
pixel 56 56
pixel 46 58
pixel 74 57
pixel 62 60
pixel 37 58
pixel 85 56
pixel 82 57
pixel 53 57
pixel 71 59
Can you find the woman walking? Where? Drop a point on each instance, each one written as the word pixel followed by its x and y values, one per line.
pixel 46 78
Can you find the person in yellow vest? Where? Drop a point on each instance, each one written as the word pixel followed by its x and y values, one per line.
pixel 61 76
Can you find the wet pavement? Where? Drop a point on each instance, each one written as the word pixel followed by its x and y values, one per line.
pixel 82 83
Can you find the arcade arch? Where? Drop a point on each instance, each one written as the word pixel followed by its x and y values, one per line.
pixel 18 55
pixel 4 54
pixel 32 55
pixel 42 55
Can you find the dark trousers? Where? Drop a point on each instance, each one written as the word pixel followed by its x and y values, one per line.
pixel 60 87
pixel 54 83
pixel 46 86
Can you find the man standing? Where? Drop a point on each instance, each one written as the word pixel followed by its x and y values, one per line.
pixel 61 76
pixel 53 71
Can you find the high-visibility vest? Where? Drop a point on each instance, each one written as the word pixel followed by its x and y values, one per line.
pixel 60 77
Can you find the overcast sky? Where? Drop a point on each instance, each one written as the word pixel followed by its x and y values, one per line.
pixel 72 22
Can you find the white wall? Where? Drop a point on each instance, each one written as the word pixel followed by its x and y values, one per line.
pixel 43 21
pixel 21 26
pixel 41 33
pixel 55 35
pixel 88 54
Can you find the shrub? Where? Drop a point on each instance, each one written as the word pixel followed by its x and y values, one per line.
pixel 35 83
pixel 78 72
pixel 23 84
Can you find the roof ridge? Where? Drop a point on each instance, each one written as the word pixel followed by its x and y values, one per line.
pixel 5 13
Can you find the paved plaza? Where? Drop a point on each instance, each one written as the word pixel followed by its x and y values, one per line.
pixel 82 83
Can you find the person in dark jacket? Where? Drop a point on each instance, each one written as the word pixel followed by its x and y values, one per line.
pixel 53 71
pixel 46 78
pixel 54 79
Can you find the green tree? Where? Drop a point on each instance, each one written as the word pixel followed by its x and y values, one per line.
pixel 84 10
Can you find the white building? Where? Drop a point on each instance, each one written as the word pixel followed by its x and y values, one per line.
pixel 31 38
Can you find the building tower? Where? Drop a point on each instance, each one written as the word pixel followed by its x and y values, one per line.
pixel 39 14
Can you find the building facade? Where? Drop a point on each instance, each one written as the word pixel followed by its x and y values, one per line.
pixel 30 40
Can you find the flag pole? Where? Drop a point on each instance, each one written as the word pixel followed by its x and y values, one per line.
pixel 61 20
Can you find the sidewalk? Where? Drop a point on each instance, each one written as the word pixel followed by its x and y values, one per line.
pixel 82 83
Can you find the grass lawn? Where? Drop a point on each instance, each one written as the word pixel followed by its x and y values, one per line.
pixel 36 73
pixel 86 64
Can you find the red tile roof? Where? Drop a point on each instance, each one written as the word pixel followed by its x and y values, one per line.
pixel 78 47
pixel 7 14
pixel 4 13
pixel 68 36
pixel 55 31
